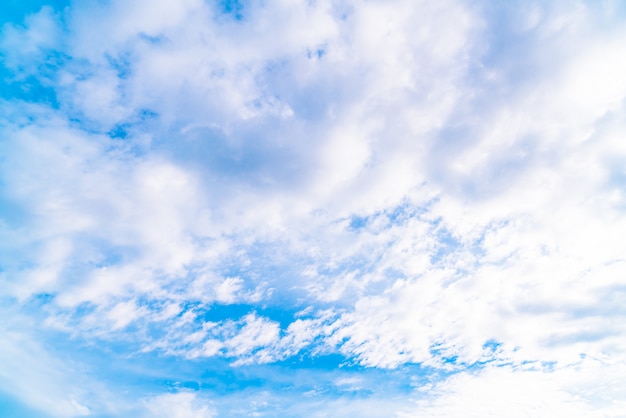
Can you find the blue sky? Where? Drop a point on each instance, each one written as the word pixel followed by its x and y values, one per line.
pixel 320 208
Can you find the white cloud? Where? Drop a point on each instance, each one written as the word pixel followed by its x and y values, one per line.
pixel 496 392
pixel 178 405
pixel 255 333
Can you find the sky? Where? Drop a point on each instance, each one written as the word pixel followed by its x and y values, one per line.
pixel 312 208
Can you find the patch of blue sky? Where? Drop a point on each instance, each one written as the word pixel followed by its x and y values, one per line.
pixel 492 345
pixel 141 375
pixel 30 89
pixel 293 386
pixel 85 125
pixel 234 8
pixel 217 312
pixel 11 407
pixel 122 64
pixel 405 211
pixel 449 359
pixel 358 222
pixel 336 381
pixel 316 53
pixel 444 352
pixel 312 358
pixel 120 131
pixel 396 216
pixel 14 11
pixel 128 136
pixel 11 212
pixel 38 301
pixel 447 245
pixel 32 80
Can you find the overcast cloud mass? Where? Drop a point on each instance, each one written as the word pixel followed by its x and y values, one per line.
pixel 313 208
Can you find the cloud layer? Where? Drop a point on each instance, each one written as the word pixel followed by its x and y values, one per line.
pixel 401 184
